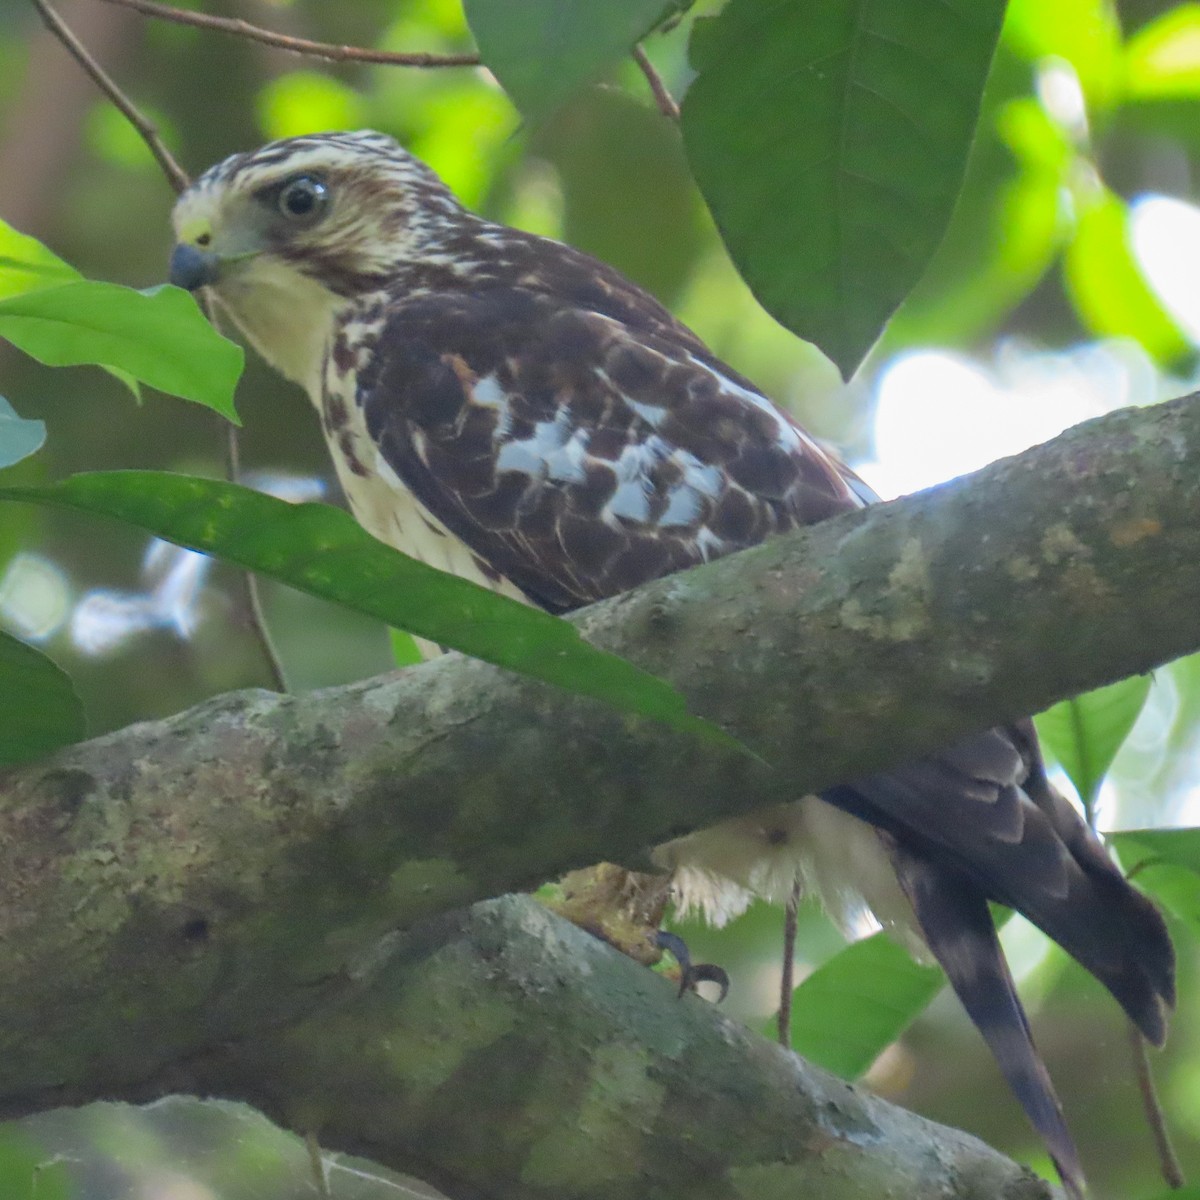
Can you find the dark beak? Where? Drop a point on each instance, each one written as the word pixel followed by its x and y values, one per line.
pixel 192 268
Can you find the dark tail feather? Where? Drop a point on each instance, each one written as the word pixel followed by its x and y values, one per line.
pixel 1116 932
pixel 958 928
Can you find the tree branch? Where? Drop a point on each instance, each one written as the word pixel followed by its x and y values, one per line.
pixel 325 50
pixel 525 1060
pixel 201 880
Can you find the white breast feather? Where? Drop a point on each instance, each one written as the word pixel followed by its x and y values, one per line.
pixel 836 857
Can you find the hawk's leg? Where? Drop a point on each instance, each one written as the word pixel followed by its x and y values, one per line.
pixel 690 973
pixel 626 909
pixel 787 983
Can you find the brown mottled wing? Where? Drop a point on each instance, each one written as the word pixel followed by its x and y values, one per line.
pixel 577 456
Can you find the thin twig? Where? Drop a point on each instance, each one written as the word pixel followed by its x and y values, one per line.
pixel 787 983
pixel 250 591
pixel 326 50
pixel 663 98
pixel 316 1160
pixel 146 129
pixel 1168 1163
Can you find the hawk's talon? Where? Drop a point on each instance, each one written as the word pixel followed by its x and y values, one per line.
pixel 690 974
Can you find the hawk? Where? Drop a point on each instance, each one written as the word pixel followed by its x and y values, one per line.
pixel 509 409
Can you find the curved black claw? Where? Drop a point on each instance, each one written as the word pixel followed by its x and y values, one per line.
pixel 691 973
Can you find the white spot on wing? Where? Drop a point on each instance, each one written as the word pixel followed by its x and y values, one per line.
pixel 705 479
pixel 629 502
pixel 708 543
pixel 652 414
pixel 683 506
pixel 523 457
pixel 637 461
pixel 488 393
pixel 566 465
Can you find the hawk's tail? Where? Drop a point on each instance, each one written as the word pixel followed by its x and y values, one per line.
pixel 958 928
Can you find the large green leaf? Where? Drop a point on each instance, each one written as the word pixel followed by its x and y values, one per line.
pixel 1166 863
pixel 1007 229
pixel 543 50
pixel 19 436
pixel 159 336
pixel 323 551
pixel 27 266
pixel 39 710
pixel 851 1008
pixel 830 141
pixel 1085 733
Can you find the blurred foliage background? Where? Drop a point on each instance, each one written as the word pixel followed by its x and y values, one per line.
pixel 1065 287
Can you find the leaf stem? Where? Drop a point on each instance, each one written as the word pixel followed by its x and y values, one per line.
pixel 326 50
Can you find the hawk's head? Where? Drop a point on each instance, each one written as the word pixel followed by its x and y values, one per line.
pixel 286 233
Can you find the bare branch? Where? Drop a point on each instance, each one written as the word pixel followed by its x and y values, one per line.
pixel 662 97
pixel 146 128
pixel 325 50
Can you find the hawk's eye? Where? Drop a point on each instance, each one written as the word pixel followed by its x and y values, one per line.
pixel 302 197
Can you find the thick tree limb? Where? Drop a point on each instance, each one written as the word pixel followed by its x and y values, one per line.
pixel 514 1057
pixel 186 883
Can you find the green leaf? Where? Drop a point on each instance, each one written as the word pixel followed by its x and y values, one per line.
pixel 323 551
pixel 307 102
pixel 19 436
pixel 851 1008
pixel 1085 733
pixel 26 265
pixel 405 651
pixel 1106 285
pixel 1165 863
pixel 1162 60
pixel 1007 229
pixel 29 1173
pixel 159 336
pixel 543 50
pixel 830 142
pixel 39 710
pixel 1084 33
